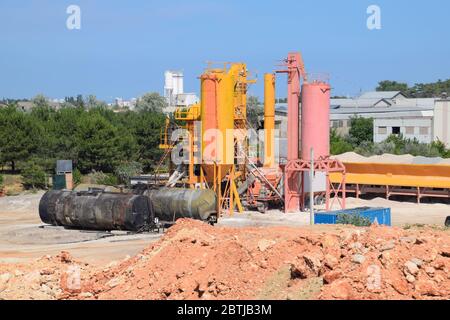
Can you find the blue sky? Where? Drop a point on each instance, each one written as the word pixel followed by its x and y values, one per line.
pixel 124 47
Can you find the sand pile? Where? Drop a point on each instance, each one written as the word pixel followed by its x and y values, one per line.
pixel 197 261
pixel 391 158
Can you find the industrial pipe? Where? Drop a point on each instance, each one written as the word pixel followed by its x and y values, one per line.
pixel 269 120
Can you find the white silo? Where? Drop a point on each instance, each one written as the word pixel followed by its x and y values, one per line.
pixel 173 86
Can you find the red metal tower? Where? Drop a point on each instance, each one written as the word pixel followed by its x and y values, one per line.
pixel 315 135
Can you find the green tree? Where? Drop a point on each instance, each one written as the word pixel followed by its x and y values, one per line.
pixel 43 116
pixel 62 134
pixel 419 90
pixel 430 90
pixel 152 102
pixel 33 176
pixel 20 136
pixel 97 143
pixel 146 130
pixel 338 144
pixel 254 111
pixel 388 85
pixel 361 130
pixel 75 102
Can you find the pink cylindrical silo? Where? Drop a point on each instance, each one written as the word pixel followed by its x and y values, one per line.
pixel 315 120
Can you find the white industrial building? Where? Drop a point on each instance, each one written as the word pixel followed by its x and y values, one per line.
pixel 425 120
pixel 392 111
pixel 441 123
pixel 130 104
pixel 412 127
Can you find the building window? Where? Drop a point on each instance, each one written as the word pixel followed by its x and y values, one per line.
pixel 382 130
pixel 409 130
pixel 337 124
pixel 424 131
pixel 395 130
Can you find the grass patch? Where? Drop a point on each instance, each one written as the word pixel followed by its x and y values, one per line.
pixel 12 184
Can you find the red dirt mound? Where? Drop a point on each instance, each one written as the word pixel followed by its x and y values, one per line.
pixel 197 261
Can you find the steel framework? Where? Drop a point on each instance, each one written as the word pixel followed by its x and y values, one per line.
pixel 326 165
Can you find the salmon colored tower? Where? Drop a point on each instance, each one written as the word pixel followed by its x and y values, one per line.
pixel 295 71
pixel 315 129
pixel 315 120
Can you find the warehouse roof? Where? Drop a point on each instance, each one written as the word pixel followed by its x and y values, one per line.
pixel 382 95
pixel 359 103
pixel 379 112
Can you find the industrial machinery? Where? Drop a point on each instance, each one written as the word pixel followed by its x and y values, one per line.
pixel 216 141
pixel 213 172
pixel 221 163
pixel 265 183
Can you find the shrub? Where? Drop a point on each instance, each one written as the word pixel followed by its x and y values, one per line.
pixel 383 147
pixel 106 179
pixel 127 170
pixel 76 177
pixel 338 144
pixel 109 180
pixel 34 177
pixel 366 148
pixel 353 219
pixel 1 180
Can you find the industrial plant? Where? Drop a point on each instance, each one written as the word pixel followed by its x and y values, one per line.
pixel 215 167
pixel 217 174
pixel 218 193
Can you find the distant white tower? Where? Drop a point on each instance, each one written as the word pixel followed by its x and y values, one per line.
pixel 173 86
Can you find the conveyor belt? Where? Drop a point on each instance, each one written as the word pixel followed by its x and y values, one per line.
pixel 399 175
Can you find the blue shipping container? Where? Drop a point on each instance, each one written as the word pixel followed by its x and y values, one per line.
pixel 381 215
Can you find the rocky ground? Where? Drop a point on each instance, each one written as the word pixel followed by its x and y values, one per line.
pixel 196 261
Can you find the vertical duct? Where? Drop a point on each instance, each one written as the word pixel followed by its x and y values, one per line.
pixel 269 120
